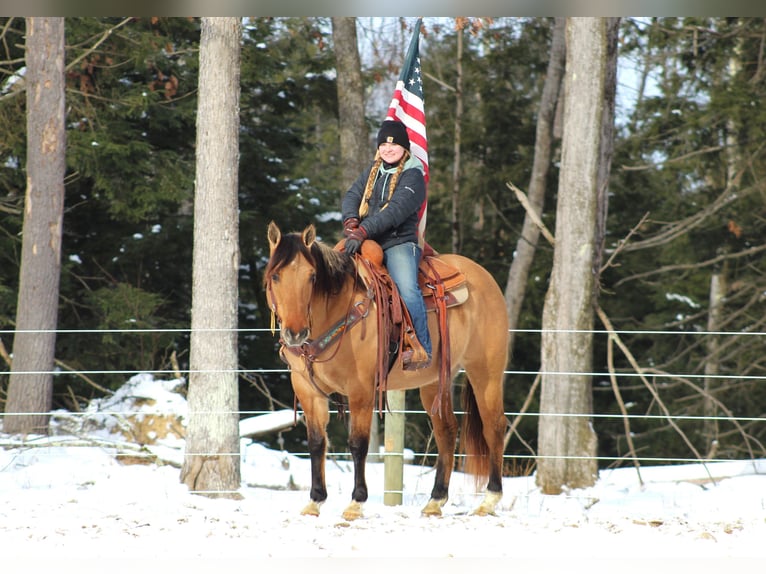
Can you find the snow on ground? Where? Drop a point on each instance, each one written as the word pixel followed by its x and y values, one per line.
pixel 72 501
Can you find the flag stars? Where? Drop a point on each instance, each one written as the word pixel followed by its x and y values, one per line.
pixel 415 80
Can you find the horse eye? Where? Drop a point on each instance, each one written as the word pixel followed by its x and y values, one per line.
pixel 275 278
pixel 313 278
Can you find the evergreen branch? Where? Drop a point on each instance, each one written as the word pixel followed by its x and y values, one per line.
pixel 104 37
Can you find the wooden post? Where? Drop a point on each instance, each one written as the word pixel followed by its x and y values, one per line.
pixel 393 462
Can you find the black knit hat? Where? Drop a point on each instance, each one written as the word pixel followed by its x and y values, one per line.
pixel 392 131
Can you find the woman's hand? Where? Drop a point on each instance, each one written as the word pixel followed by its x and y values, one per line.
pixel 354 240
pixel 349 225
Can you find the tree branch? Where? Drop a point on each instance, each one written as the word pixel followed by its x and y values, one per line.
pixel 524 407
pixel 688 266
pixel 623 242
pixel 532 213
pixel 621 403
pixel 671 160
pixel 632 360
pixel 729 195
pixel 20 87
pixel 100 41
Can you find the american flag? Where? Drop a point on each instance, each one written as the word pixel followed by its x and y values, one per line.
pixel 407 106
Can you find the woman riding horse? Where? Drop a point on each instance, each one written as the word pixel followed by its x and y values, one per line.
pixel 314 293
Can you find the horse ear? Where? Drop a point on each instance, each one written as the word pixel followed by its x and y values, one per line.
pixel 309 235
pixel 274 236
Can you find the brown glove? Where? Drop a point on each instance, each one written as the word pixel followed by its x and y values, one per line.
pixel 349 225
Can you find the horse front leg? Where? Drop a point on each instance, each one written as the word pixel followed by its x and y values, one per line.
pixel 316 414
pixel 317 440
pixel 359 444
pixel 445 434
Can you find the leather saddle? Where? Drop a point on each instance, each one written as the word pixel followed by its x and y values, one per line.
pixel 442 285
pixel 434 275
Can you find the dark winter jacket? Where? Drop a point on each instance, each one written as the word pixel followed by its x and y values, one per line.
pixel 389 222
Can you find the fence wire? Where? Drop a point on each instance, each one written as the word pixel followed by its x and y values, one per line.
pixel 30 442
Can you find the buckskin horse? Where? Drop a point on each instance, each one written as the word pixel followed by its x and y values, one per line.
pixel 314 293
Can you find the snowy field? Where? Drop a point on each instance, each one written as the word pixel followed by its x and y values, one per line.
pixel 78 502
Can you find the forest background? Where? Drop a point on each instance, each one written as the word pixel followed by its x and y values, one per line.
pixel 682 278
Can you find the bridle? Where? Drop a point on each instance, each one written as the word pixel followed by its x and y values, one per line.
pixel 310 350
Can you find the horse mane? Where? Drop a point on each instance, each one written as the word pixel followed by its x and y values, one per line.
pixel 332 267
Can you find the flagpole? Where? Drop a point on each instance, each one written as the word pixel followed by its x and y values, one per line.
pixel 406 106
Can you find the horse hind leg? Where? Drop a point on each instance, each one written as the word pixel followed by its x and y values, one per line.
pixel 484 425
pixel 445 434
pixel 489 504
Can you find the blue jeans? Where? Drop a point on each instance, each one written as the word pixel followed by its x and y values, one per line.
pixel 402 263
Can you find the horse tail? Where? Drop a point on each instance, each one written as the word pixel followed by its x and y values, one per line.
pixel 473 444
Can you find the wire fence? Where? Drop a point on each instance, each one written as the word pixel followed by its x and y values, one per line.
pixel 514 415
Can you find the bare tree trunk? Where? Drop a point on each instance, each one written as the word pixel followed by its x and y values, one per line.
pixel 712 367
pixel 526 246
pixel 211 462
pixel 567 441
pixel 30 388
pixel 719 282
pixel 354 140
pixel 456 144
pixel 606 145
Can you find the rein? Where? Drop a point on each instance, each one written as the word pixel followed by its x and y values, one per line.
pixel 445 367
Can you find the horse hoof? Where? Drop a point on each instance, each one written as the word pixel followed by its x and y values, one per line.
pixel 488 505
pixel 353 511
pixel 434 507
pixel 311 509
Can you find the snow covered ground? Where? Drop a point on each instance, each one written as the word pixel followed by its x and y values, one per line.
pixel 77 501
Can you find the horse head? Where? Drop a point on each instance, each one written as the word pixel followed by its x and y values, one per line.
pixel 289 279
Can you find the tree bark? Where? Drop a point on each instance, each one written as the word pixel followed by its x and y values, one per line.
pixel 30 388
pixel 606 145
pixel 211 463
pixel 526 246
pixel 354 136
pixel 567 441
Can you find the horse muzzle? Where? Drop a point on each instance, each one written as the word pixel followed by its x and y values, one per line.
pixel 293 339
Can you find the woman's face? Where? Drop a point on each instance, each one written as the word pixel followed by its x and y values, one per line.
pixel 391 152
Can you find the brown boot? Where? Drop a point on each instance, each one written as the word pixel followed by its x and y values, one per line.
pixel 415 358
